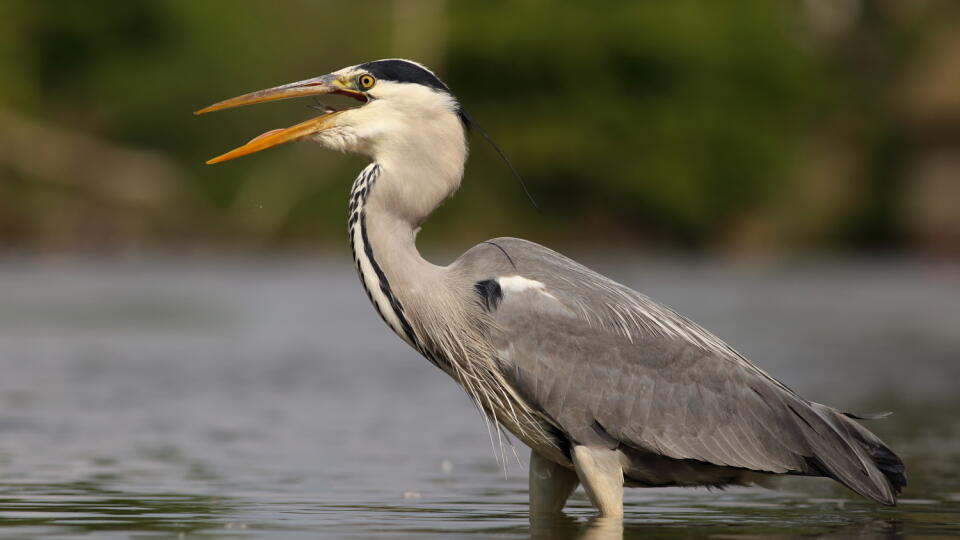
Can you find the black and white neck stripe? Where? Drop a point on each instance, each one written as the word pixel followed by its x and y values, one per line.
pixel 371 274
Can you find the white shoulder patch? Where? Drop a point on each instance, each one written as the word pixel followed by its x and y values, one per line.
pixel 517 284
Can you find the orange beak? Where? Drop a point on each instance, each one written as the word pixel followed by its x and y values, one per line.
pixel 327 84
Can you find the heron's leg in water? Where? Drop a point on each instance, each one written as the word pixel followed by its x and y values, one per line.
pixel 550 485
pixel 600 472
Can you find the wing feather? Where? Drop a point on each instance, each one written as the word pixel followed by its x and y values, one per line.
pixel 654 381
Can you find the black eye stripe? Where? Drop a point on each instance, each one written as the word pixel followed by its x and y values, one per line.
pixel 398 70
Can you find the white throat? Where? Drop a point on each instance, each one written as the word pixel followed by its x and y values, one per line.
pixel 372 275
pixel 418 146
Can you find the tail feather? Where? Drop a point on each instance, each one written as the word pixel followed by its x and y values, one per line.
pixel 856 458
pixel 883 457
pixel 866 416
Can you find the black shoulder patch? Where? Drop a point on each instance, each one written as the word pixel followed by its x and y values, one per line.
pixel 489 292
pixel 404 71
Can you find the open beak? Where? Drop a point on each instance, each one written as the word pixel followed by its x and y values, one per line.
pixel 327 84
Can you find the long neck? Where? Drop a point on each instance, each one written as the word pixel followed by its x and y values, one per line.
pixel 383 241
pixel 413 172
pixel 421 302
pixel 423 305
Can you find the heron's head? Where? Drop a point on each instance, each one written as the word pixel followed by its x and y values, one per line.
pixel 405 110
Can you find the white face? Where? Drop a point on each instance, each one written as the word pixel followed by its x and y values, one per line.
pixel 394 113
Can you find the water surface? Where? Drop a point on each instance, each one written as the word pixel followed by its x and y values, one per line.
pixel 239 399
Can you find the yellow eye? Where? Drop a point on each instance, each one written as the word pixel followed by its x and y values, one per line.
pixel 366 81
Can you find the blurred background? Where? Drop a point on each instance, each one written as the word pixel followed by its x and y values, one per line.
pixel 802 126
pixel 185 349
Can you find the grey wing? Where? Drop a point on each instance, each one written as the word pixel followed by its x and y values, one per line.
pixel 609 366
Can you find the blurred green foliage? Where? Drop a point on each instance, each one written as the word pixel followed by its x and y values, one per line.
pixel 680 122
pixel 668 116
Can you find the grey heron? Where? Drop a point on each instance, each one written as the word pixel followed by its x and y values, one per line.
pixel 606 386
